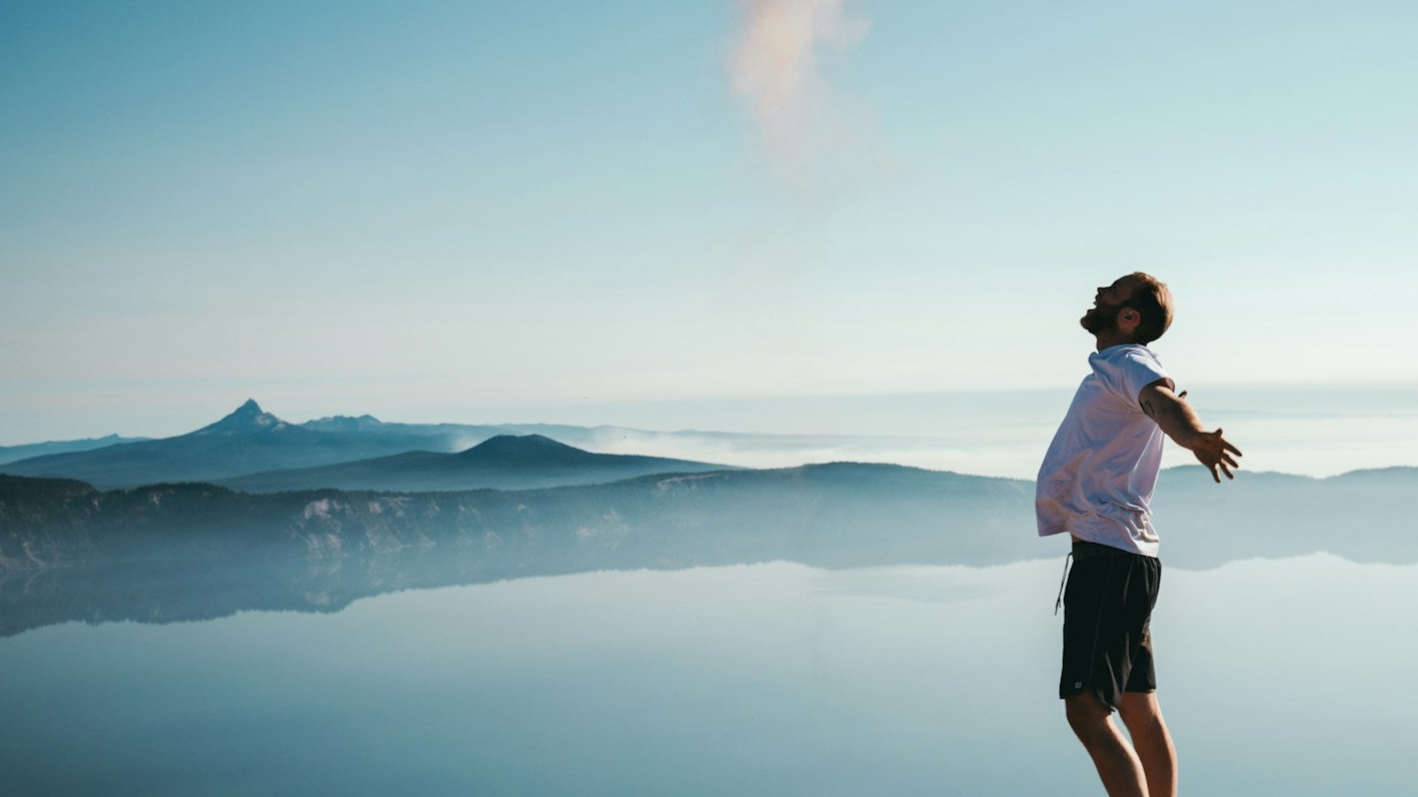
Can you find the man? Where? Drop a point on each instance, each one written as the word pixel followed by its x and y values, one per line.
pixel 1095 484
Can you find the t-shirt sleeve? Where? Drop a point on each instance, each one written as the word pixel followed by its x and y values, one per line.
pixel 1130 373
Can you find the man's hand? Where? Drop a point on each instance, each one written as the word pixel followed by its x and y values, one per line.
pixel 1180 423
pixel 1214 451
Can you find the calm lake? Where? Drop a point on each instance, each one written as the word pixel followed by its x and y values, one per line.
pixel 1277 676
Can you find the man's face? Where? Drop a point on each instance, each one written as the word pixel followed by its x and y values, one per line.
pixel 1108 304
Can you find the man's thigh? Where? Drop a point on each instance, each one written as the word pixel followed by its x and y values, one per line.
pixel 1107 640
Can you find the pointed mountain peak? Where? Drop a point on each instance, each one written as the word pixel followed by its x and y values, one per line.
pixel 249 417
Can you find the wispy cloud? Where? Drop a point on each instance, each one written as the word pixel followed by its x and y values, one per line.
pixel 775 68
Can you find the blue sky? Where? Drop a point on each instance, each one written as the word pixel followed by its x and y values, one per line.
pixel 438 211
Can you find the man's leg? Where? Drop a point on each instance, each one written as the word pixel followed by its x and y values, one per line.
pixel 1117 763
pixel 1151 740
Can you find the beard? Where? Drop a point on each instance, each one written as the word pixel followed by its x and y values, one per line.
pixel 1101 318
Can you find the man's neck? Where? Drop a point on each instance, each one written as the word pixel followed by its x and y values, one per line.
pixel 1111 338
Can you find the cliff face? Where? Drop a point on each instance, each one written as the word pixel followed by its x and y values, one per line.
pixel 194 551
pixel 837 515
pixel 44 522
pixel 816 511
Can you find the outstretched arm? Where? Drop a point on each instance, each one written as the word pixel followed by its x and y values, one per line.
pixel 1180 423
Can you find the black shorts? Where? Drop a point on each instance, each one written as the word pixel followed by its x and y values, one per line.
pixel 1108 604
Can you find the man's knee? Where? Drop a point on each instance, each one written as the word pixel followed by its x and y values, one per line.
pixel 1087 715
pixel 1139 708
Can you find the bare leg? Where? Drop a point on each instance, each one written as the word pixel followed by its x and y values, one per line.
pixel 1117 762
pixel 1151 740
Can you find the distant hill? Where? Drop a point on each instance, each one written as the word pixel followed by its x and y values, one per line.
pixel 28 450
pixel 504 462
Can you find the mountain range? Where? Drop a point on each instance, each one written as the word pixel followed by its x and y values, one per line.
pixel 252 441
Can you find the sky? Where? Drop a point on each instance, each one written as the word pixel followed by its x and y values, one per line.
pixel 581 212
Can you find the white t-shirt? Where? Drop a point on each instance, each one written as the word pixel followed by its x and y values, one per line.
pixel 1099 473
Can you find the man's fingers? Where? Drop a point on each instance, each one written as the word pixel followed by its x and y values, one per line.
pixel 1215 453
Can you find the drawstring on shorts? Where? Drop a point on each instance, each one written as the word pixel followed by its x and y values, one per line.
pixel 1062 582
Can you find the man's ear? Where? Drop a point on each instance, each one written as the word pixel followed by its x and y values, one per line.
pixel 1128 320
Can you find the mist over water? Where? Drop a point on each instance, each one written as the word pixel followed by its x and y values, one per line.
pixel 775 679
pixel 1304 430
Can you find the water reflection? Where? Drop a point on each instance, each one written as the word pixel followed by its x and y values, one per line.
pixel 774 679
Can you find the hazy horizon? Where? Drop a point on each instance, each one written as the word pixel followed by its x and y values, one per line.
pixel 1313 430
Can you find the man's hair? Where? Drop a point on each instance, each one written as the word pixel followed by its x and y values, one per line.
pixel 1153 302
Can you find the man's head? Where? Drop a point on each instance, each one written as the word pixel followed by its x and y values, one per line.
pixel 1136 308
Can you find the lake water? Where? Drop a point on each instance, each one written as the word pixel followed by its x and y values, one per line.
pixel 1277 676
